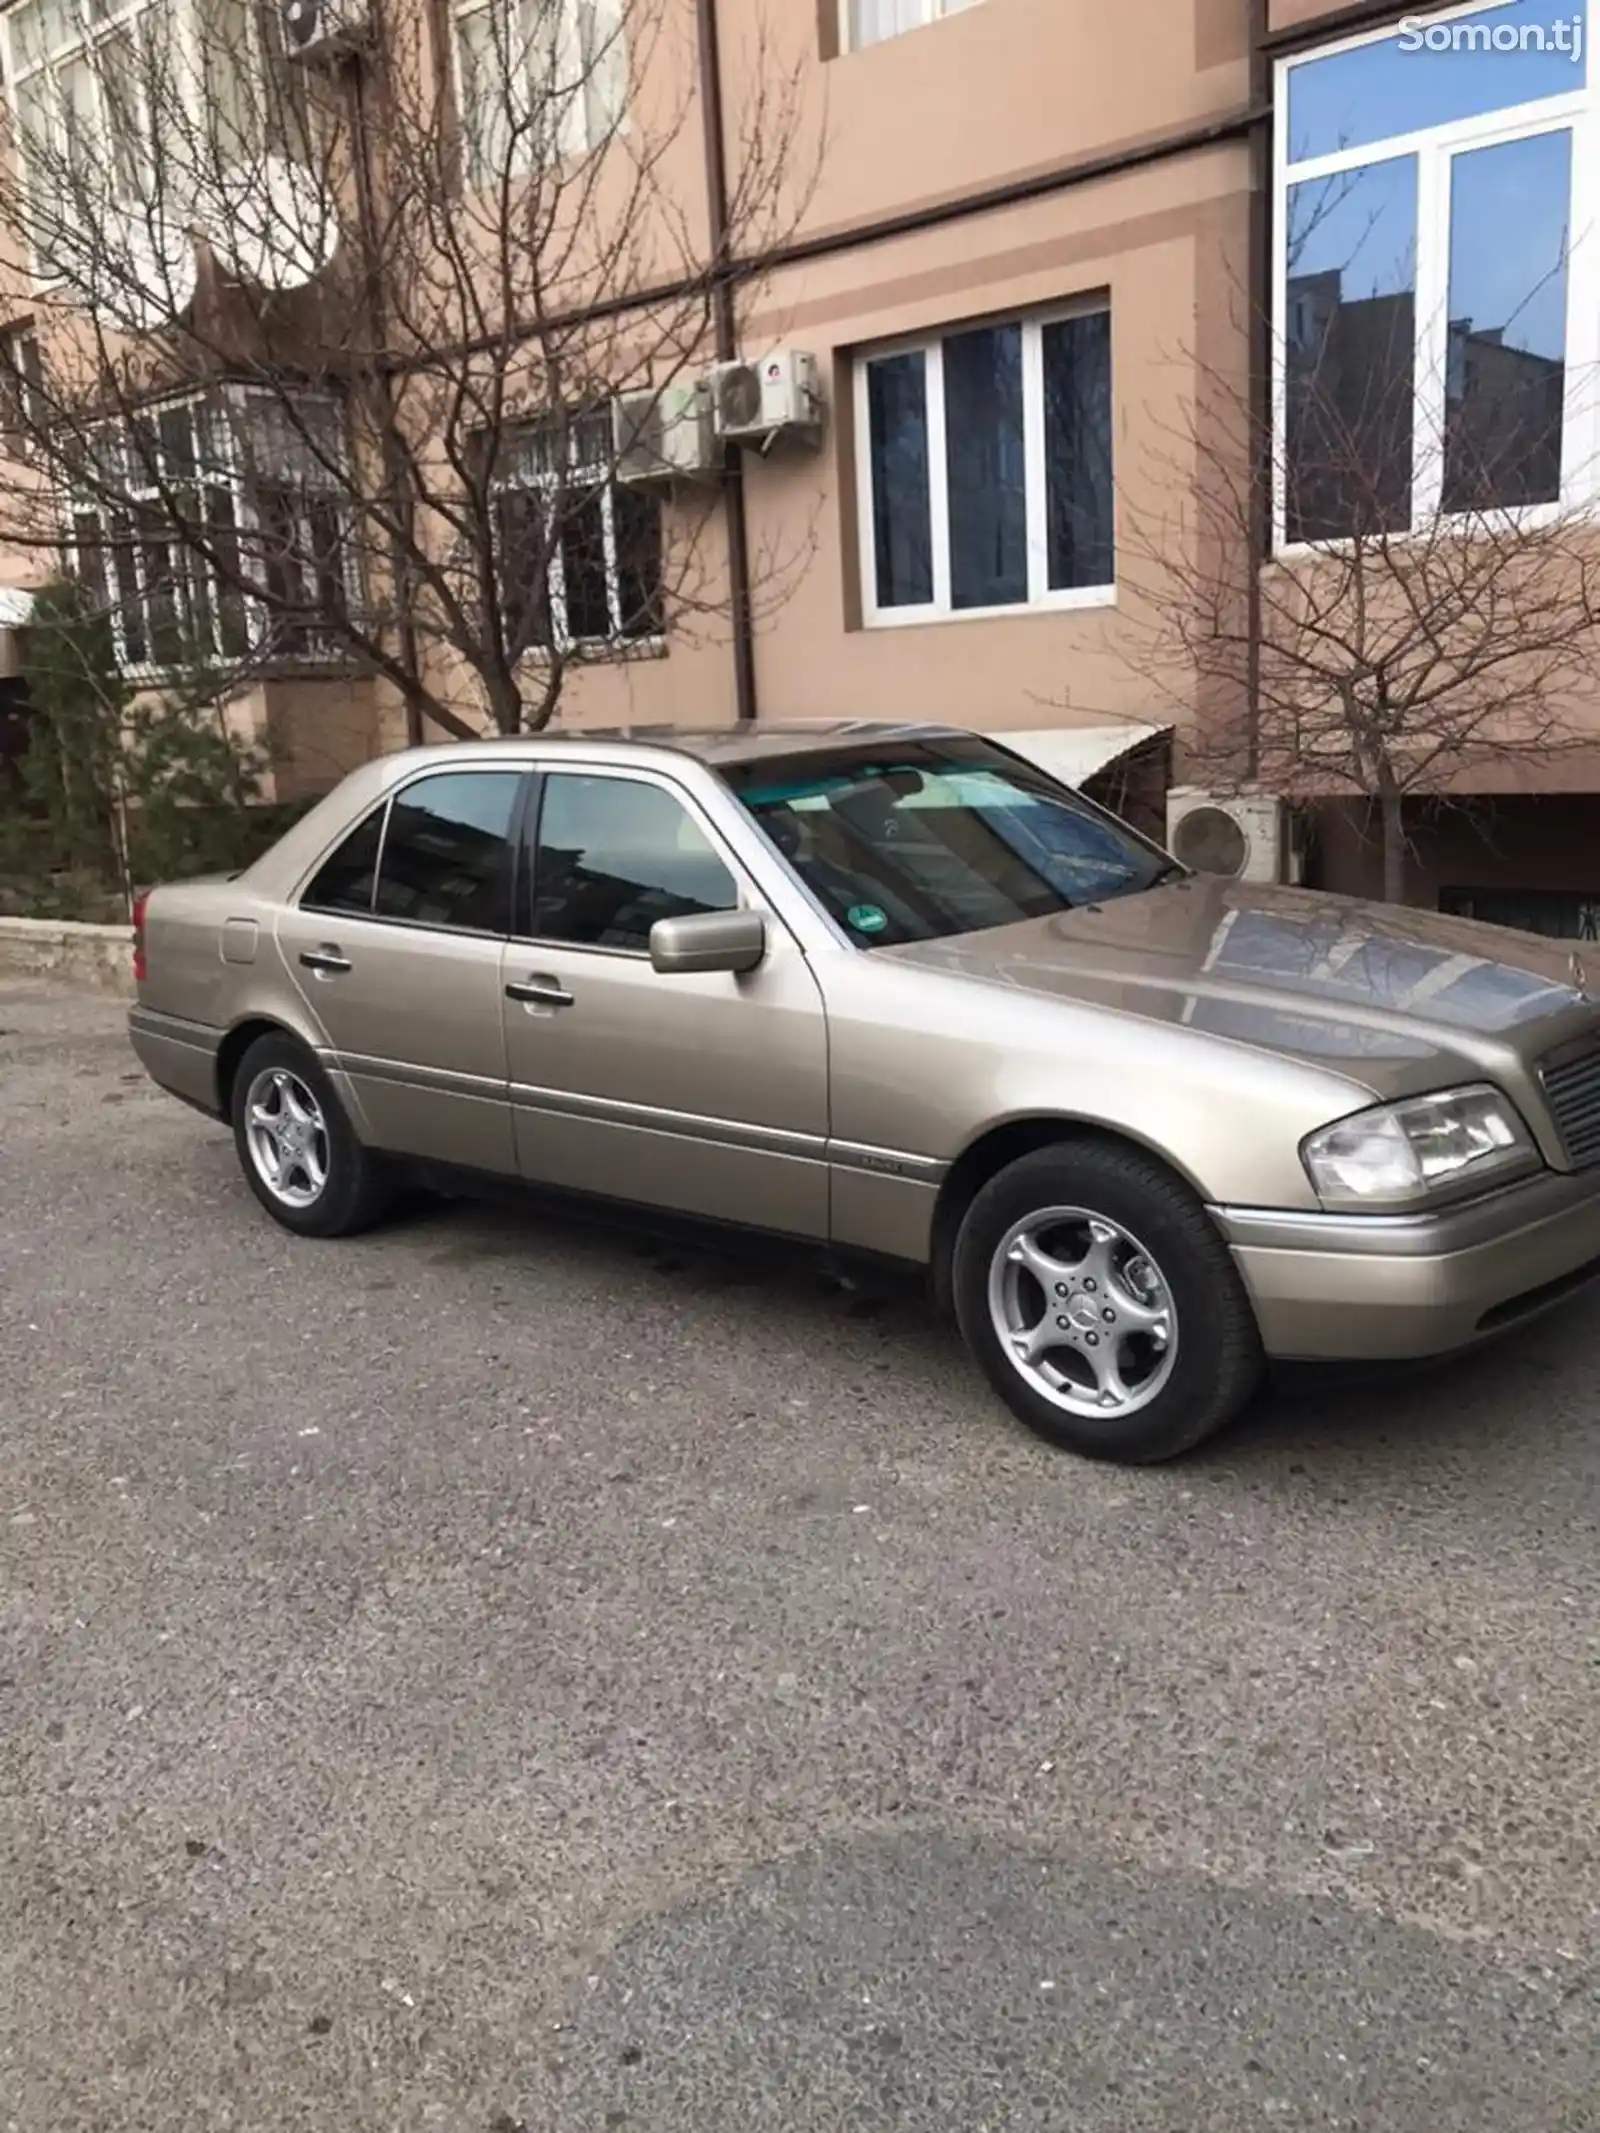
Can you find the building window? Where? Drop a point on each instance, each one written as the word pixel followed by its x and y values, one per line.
pixel 214 531
pixel 986 477
pixel 22 392
pixel 580 553
pixel 537 80
pixel 80 91
pixel 1562 914
pixel 871 21
pixel 255 96
pixel 98 89
pixel 1438 282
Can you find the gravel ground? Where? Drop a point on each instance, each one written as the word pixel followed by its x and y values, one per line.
pixel 504 1674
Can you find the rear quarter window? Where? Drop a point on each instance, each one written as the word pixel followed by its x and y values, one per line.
pixel 346 880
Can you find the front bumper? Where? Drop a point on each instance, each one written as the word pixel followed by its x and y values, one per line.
pixel 1375 1288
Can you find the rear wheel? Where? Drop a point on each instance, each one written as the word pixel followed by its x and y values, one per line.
pixel 1102 1305
pixel 299 1153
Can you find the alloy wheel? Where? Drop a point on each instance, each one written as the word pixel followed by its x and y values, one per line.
pixel 1083 1312
pixel 287 1136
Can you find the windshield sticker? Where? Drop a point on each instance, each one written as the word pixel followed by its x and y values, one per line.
pixel 867 918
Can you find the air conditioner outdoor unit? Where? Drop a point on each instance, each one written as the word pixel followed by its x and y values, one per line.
pixel 663 436
pixel 759 403
pixel 1247 837
pixel 314 30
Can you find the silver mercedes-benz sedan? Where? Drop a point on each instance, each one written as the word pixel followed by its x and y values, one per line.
pixel 892 991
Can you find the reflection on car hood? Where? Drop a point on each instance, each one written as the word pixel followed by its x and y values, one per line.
pixel 1288 970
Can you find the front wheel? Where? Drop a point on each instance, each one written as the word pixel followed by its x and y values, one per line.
pixel 298 1151
pixel 1103 1306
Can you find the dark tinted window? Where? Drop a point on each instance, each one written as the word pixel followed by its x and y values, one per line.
pixel 614 856
pixel 986 467
pixel 902 522
pixel 447 856
pixel 1505 396
pixel 940 837
pixel 1079 491
pixel 344 882
pixel 1350 352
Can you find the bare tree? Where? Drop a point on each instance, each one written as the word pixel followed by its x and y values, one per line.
pixel 328 353
pixel 1430 606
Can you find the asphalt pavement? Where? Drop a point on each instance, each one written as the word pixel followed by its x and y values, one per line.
pixel 503 1673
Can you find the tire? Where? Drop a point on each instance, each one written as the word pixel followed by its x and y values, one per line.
pixel 1147 1297
pixel 278 1076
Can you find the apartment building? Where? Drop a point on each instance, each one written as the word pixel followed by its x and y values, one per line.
pixel 1053 264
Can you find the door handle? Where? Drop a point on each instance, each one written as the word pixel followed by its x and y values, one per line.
pixel 540 992
pixel 326 960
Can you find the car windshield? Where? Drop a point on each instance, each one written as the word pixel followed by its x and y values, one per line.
pixel 916 841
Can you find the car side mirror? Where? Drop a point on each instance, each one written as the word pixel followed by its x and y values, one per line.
pixel 710 940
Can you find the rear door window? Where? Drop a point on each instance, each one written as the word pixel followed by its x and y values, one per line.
pixel 447 853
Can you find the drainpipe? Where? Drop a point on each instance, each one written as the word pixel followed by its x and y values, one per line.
pixel 1258 269
pixel 366 207
pixel 726 330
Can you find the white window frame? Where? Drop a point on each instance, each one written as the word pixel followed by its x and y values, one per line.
pixel 928 13
pixel 22 390
pixel 1434 149
pixel 580 473
pixel 592 33
pixel 122 17
pixel 1042 598
pixel 219 419
pixel 82 38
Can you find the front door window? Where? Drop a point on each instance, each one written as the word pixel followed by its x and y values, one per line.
pixel 616 855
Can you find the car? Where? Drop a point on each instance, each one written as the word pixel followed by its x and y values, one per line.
pixel 899 995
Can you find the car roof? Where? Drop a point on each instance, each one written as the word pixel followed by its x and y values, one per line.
pixel 717 746
pixel 746 744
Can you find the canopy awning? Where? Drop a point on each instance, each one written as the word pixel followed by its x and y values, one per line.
pixel 1077 753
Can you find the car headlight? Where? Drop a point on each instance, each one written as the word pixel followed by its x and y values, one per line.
pixel 1399 1154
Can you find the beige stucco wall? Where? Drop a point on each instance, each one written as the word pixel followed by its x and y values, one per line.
pixel 1005 87
pixel 1299 14
pixel 1161 242
pixel 1149 241
pixel 312 730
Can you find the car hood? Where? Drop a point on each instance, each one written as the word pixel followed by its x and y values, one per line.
pixel 1397 999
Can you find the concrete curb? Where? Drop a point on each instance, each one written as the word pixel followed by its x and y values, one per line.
pixel 97 956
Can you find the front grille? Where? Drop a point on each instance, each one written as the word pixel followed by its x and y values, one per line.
pixel 1572 1088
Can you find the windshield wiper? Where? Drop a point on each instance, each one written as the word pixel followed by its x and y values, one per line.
pixel 1173 870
